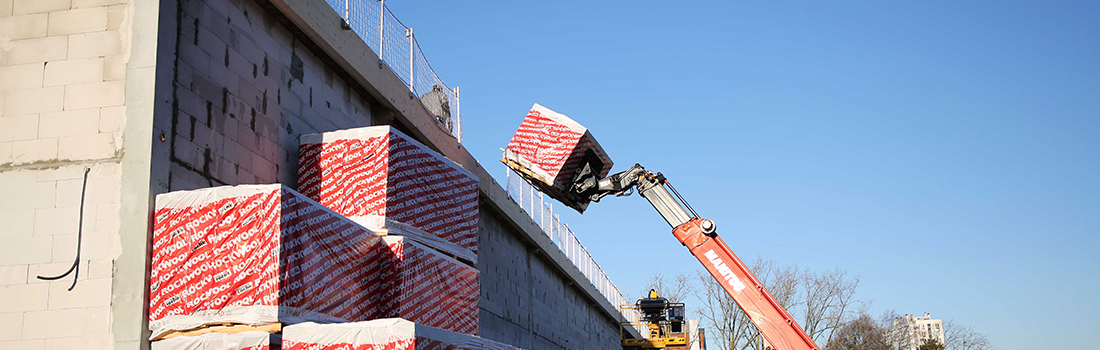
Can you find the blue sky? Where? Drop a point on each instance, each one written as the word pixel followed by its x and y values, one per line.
pixel 947 153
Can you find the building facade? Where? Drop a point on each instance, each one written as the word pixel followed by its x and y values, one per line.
pixel 106 103
pixel 910 331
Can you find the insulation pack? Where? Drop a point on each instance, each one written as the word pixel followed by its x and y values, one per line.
pixel 431 288
pixel 378 171
pixel 388 334
pixel 549 149
pixel 258 254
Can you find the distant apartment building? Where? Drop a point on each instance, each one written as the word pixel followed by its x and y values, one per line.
pixel 909 332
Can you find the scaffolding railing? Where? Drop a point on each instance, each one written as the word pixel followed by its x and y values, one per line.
pixel 396 46
pixel 542 211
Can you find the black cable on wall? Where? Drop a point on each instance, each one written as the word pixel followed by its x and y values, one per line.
pixel 79 235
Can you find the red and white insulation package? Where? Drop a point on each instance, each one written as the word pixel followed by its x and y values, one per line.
pixel 264 254
pixel 259 254
pixel 383 334
pixel 549 148
pixel 252 340
pixel 378 171
pixel 431 288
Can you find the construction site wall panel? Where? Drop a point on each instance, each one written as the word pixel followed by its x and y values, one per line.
pixel 379 171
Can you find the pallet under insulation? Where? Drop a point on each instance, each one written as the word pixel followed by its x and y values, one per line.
pixel 381 334
pixel 253 340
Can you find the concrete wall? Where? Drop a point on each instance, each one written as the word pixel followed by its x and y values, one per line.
pixel 63 72
pixel 527 303
pixel 244 90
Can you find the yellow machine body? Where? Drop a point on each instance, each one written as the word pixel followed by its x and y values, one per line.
pixel 657 321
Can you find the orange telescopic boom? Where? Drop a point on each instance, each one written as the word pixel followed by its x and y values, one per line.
pixel 773 321
pixel 779 330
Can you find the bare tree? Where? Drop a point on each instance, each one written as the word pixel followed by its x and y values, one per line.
pixel 674 289
pixel 893 334
pixel 862 333
pixel 729 326
pixel 828 302
pixel 823 301
pixel 961 337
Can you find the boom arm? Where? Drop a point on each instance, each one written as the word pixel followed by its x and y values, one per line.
pixel 777 327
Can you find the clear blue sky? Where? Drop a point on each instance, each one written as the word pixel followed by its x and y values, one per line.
pixel 948 154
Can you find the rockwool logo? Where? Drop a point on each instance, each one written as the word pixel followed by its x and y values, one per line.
pixel 724 270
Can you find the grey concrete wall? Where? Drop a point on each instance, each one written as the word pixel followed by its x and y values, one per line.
pixel 525 301
pixel 244 90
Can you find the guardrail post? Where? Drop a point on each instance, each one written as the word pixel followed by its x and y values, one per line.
pixel 412 76
pixel 347 15
pixel 458 115
pixel 381 31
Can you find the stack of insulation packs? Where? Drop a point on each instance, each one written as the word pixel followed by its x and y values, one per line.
pixel 384 228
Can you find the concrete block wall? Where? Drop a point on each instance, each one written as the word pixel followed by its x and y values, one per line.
pixel 245 89
pixel 62 85
pixel 527 303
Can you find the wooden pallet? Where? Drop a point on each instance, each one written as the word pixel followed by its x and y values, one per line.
pixel 570 200
pixel 222 328
pixel 529 175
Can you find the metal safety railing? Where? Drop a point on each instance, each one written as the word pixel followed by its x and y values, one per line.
pixel 397 48
pixel 542 211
